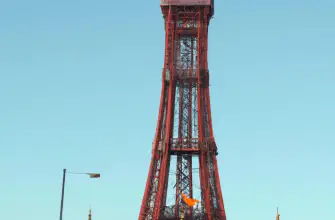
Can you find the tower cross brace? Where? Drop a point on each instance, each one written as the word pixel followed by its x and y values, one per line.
pixel 184 130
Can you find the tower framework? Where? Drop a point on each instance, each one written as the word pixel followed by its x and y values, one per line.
pixel 184 132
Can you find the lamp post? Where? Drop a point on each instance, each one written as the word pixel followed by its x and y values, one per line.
pixel 91 175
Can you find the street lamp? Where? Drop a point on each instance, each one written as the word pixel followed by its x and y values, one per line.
pixel 91 175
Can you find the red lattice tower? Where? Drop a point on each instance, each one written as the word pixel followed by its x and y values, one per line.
pixel 184 130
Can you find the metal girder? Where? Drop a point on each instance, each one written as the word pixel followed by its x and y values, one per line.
pixel 184 129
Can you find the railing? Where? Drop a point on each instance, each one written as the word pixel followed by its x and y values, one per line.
pixel 168 213
pixel 186 2
pixel 185 146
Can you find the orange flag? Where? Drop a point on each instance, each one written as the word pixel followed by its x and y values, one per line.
pixel 189 201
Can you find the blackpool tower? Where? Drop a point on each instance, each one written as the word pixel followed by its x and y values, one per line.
pixel 183 163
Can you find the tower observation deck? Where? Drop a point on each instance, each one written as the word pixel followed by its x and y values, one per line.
pixel 189 3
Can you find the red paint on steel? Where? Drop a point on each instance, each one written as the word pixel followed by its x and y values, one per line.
pixel 186 2
pixel 184 106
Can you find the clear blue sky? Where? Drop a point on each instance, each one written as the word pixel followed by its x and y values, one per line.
pixel 80 87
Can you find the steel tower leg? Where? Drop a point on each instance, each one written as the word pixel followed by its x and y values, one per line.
pixel 184 129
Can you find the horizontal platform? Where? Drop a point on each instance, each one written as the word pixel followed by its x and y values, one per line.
pixel 179 151
pixel 187 31
pixel 187 2
pixel 191 146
